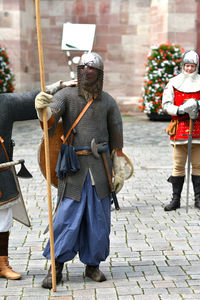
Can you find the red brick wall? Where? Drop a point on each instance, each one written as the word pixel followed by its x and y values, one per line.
pixel 117 26
pixel 198 28
pixel 174 21
pixel 125 31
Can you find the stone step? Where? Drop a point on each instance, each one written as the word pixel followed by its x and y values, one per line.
pixel 129 105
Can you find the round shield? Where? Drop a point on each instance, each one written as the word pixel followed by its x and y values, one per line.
pixel 55 143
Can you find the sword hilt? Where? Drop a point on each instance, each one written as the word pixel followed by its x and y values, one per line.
pixel 190 126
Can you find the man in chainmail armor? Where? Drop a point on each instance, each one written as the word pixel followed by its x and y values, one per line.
pixel 14 107
pixel 82 222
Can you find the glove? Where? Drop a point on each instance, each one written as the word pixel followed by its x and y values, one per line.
pixel 43 100
pixel 194 114
pixel 54 87
pixel 118 183
pixel 190 107
pixel 118 173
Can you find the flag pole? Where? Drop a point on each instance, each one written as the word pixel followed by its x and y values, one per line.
pixel 46 144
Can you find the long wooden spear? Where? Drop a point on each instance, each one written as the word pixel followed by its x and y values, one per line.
pixel 46 144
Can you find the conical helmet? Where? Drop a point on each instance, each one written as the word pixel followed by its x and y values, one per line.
pixel 91 59
pixel 94 60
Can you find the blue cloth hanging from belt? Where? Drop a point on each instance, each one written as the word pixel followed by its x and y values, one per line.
pixel 68 162
pixel 82 227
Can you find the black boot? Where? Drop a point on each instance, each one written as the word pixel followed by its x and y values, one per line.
pixel 47 282
pixel 196 186
pixel 94 273
pixel 177 186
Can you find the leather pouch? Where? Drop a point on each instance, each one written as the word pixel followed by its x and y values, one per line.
pixel 172 128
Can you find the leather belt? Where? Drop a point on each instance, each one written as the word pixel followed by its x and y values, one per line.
pixel 84 152
pixel 3 169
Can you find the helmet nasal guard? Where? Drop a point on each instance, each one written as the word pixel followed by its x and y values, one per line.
pixel 91 59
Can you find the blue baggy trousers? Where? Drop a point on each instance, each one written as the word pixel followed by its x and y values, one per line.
pixel 82 227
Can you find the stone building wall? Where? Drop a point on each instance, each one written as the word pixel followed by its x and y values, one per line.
pixel 17 34
pixel 125 31
pixel 174 21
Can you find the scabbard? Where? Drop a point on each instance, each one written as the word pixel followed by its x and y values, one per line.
pixel 103 155
pixel 191 125
pixel 116 203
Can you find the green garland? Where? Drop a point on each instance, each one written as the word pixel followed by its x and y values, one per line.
pixel 163 63
pixel 6 76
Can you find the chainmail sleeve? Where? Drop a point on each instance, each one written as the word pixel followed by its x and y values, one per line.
pixel 15 107
pixel 22 105
pixel 58 107
pixel 114 124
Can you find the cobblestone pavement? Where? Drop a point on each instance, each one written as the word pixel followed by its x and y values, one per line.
pixel 153 254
